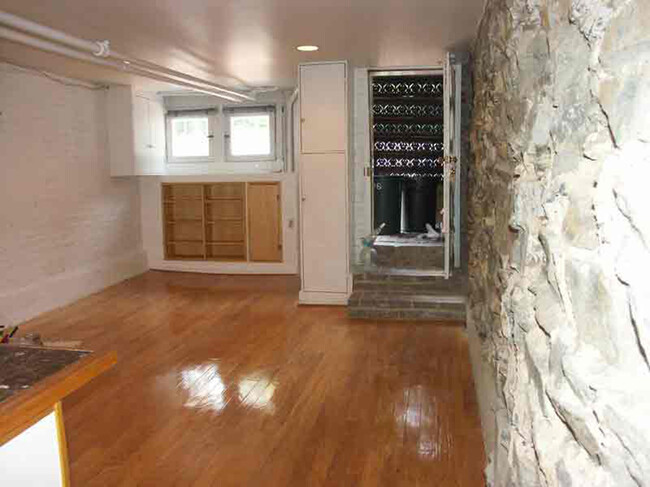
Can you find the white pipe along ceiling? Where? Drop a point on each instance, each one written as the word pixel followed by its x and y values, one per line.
pixel 99 52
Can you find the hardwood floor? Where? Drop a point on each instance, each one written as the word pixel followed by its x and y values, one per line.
pixel 225 381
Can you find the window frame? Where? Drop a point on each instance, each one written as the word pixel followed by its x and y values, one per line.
pixel 211 115
pixel 267 109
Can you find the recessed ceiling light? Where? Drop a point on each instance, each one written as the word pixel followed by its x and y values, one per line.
pixel 307 48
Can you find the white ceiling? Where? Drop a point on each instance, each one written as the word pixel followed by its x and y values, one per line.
pixel 252 42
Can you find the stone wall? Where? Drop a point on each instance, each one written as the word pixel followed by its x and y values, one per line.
pixel 559 224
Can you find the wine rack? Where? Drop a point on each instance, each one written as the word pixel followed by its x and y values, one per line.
pixel 408 126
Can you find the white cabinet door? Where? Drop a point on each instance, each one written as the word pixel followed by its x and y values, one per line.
pixel 33 458
pixel 136 132
pixel 119 114
pixel 324 223
pixel 157 120
pixel 149 135
pixel 141 134
pixel 323 108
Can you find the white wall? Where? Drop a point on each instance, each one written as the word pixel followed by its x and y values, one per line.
pixel 360 184
pixel 66 228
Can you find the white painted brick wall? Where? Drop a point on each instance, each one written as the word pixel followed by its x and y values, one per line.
pixel 361 198
pixel 66 228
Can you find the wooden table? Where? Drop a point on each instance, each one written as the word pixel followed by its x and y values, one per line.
pixel 33 382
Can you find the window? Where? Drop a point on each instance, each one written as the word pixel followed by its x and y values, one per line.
pixel 250 133
pixel 190 135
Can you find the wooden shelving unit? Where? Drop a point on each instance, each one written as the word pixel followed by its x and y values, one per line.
pixel 183 218
pixel 205 221
pixel 225 225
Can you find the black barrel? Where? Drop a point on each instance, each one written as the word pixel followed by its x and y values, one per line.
pixel 420 202
pixel 388 203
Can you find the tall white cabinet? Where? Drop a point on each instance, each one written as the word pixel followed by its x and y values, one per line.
pixel 324 205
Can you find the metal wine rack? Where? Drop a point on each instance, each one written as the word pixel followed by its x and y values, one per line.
pixel 408 126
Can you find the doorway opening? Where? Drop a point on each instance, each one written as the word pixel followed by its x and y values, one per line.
pixel 407 138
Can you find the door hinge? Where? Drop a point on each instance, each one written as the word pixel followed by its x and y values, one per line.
pixel 367 171
pixel 450 159
pixel 451 162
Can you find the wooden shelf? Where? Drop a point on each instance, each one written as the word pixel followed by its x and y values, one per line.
pixel 213 230
pixel 216 221
pixel 184 221
pixel 217 229
pixel 226 259
pixel 176 242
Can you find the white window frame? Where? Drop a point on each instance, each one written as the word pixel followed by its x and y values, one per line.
pixel 211 113
pixel 228 111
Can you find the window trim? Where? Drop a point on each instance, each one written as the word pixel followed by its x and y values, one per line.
pixel 211 114
pixel 228 111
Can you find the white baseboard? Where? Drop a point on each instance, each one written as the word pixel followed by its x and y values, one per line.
pixel 22 304
pixel 223 267
pixel 310 297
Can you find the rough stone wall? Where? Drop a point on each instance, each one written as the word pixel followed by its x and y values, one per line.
pixel 559 224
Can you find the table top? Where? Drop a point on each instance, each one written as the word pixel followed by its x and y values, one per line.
pixel 22 367
pixel 34 379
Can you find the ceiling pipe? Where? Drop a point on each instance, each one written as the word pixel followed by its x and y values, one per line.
pixel 101 50
pixel 95 47
pixel 48 46
pixel 199 89
pixel 44 45
pixel 146 65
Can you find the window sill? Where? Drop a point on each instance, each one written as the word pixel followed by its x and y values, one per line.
pixel 194 168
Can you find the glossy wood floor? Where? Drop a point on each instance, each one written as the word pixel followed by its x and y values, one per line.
pixel 225 381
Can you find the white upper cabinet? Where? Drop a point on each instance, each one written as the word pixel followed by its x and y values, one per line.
pixel 323 108
pixel 136 133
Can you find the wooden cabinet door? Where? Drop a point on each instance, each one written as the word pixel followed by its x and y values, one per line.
pixel 322 105
pixel 264 222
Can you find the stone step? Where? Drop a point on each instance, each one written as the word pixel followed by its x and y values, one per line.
pixel 387 282
pixel 406 314
pixel 409 256
pixel 407 306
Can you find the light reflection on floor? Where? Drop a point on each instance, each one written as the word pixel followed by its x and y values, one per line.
pixel 204 386
pixel 257 392
pixel 421 416
pixel 206 389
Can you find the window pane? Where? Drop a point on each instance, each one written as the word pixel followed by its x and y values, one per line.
pixel 190 137
pixel 250 135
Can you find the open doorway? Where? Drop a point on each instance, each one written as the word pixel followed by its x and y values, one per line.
pixel 407 144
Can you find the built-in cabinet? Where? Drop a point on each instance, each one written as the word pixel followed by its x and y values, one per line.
pixel 136 132
pixel 264 222
pixel 324 207
pixel 222 221
pixel 323 98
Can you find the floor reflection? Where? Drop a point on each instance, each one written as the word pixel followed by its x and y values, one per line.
pixel 421 415
pixel 207 390
pixel 257 392
pixel 204 386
